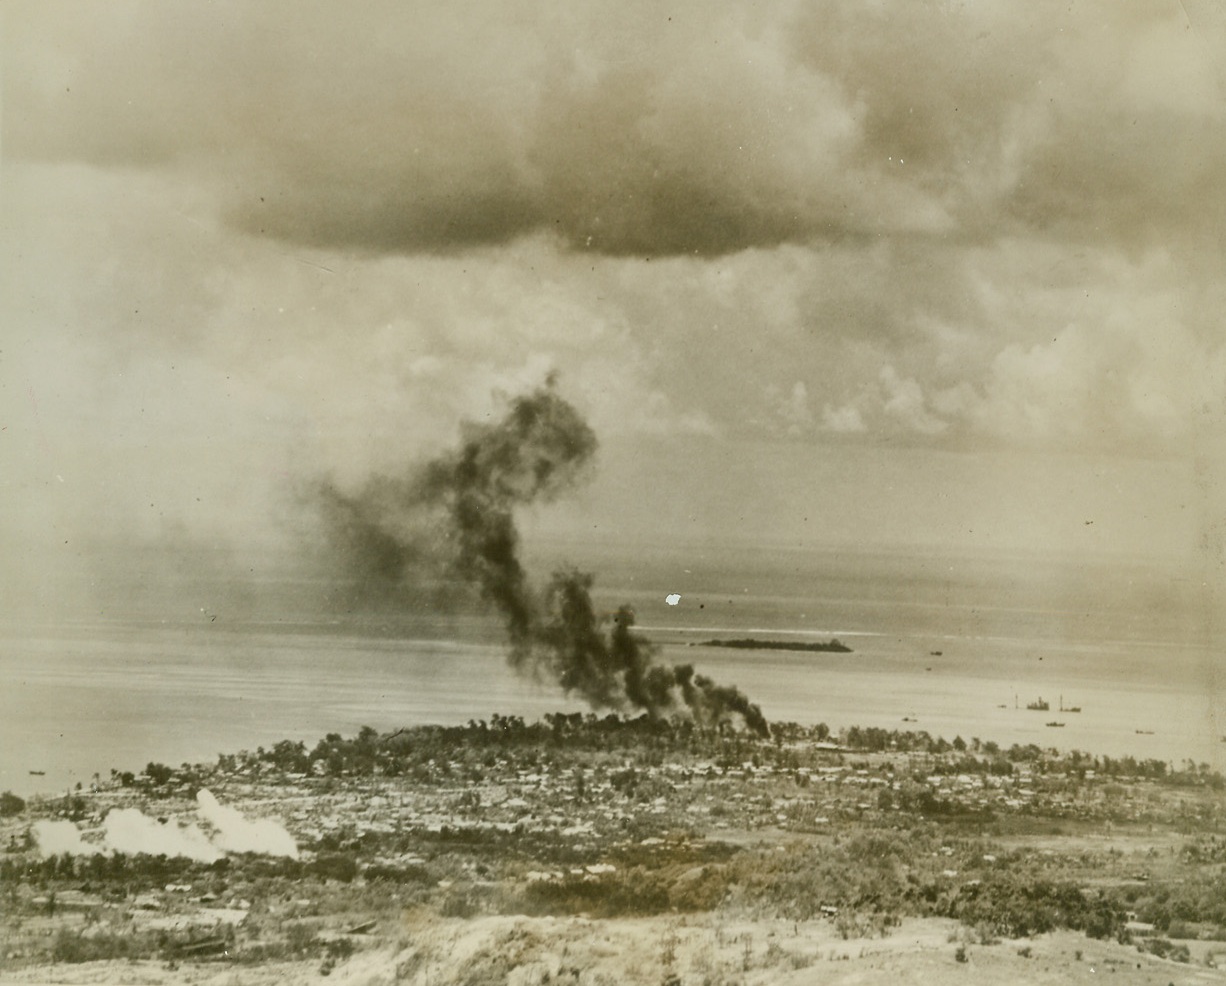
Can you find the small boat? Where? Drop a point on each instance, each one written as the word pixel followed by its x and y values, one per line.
pixel 38 773
pixel 1145 732
pixel 1056 725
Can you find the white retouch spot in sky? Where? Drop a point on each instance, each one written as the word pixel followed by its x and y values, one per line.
pixel 673 598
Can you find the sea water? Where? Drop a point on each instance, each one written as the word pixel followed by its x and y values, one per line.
pixel 956 647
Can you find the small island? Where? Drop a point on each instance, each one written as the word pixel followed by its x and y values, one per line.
pixel 750 643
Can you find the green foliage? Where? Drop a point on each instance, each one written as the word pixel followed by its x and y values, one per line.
pixel 1199 897
pixel 1165 949
pixel 11 805
pixel 158 773
pixel 397 874
pixel 865 875
pixel 339 866
pixel 636 893
pixel 69 945
pixel 1017 907
pixel 290 757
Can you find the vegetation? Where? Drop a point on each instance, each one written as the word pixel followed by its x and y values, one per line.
pixel 612 817
pixel 11 805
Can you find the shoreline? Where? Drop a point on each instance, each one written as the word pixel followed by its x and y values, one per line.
pixel 1040 736
pixel 892 851
pixel 188 698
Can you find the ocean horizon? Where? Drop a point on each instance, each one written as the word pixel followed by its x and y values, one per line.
pixel 954 651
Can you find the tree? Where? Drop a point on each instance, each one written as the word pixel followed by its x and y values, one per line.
pixel 11 805
pixel 159 773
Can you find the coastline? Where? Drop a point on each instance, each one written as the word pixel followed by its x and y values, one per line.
pixel 128 695
pixel 511 827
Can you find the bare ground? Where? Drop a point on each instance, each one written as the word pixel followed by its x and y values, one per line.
pixel 705 950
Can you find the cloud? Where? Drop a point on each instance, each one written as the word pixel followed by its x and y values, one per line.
pixel 1139 383
pixel 843 420
pixel 905 401
pixel 792 410
pixel 632 130
pixel 457 130
pixel 885 404
pixel 249 244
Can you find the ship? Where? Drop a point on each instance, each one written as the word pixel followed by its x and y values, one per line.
pixel 1071 708
pixel 1056 725
pixel 1038 705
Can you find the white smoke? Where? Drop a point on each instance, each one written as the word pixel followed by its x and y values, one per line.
pixel 54 838
pixel 128 830
pixel 238 834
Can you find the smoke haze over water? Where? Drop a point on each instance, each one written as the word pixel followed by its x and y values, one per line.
pixel 457 513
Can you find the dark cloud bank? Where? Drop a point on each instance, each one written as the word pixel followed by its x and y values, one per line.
pixel 630 129
pixel 457 512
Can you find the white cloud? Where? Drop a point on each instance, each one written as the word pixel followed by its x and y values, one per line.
pixel 792 411
pixel 846 419
pixel 1014 212
pixel 905 402
pixel 1138 383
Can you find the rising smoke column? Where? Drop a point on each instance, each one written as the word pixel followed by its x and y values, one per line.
pixel 621 671
pixel 535 453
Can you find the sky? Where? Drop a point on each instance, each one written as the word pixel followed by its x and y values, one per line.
pixel 872 274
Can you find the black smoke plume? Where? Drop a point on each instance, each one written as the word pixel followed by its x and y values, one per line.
pixel 460 507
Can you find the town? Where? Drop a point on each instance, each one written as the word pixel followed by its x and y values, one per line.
pixel 606 818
